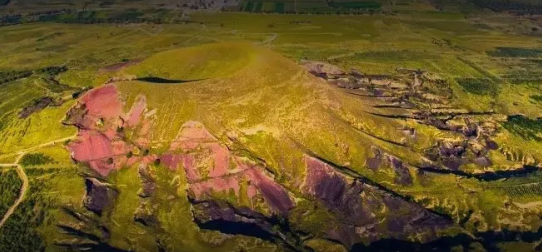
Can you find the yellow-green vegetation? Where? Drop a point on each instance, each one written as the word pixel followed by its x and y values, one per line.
pixel 238 74
pixel 280 117
pixel 52 156
pixel 202 63
pixel 175 218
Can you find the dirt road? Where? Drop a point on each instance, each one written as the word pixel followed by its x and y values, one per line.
pixel 22 175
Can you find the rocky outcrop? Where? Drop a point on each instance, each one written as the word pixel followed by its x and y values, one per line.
pixel 148 184
pixel 98 195
pixel 366 212
pixel 403 176
pixel 426 98
pixel 145 216
pixel 228 219
pixel 212 169
pixel 38 105
pixel 100 143
pixel 229 193
pixel 381 160
pixel 474 146
pixel 322 69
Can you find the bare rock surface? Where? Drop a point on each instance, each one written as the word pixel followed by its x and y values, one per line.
pixel 98 195
pixel 367 212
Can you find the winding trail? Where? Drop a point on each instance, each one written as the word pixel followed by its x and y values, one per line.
pixel 22 175
pixel 22 194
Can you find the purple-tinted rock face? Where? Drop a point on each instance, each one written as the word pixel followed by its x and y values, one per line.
pixel 410 218
pixel 213 171
pixel 452 163
pixel 98 195
pixel 451 155
pixel 275 196
pixel 403 175
pixel 374 162
pixel 334 191
pixel 366 212
pixel 37 106
pixel 344 234
pixel 438 123
pixel 492 145
pixel 211 211
pixel 483 161
pixel 449 150
pixel 322 69
pixel 362 212
pixel 148 183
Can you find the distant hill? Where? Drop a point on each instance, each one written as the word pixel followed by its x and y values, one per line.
pixel 524 7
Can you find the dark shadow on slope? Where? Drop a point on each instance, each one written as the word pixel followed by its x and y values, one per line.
pixel 391 245
pixel 486 176
pixel 227 219
pixel 159 80
pixel 235 228
pixel 488 240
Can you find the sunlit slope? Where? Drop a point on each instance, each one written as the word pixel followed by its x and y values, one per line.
pixel 272 109
pixel 268 100
pixel 196 63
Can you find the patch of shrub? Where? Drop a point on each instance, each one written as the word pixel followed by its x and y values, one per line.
pixel 529 129
pixel 479 86
pixel 514 52
pixel 52 70
pixel 10 185
pixel 537 98
pixel 10 76
pixel 523 78
pixel 356 5
pixel 519 7
pixel 20 232
pixel 35 159
pixel 10 19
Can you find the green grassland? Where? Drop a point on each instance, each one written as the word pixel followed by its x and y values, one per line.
pixel 246 81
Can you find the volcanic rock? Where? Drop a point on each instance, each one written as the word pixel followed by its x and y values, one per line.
pixel 148 183
pixel 98 195
pixel 100 142
pixel 35 107
pixel 364 211
pixel 322 69
pixel 144 215
pixel 212 169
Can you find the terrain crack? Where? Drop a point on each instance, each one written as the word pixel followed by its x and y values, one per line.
pixel 486 176
pixel 357 176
